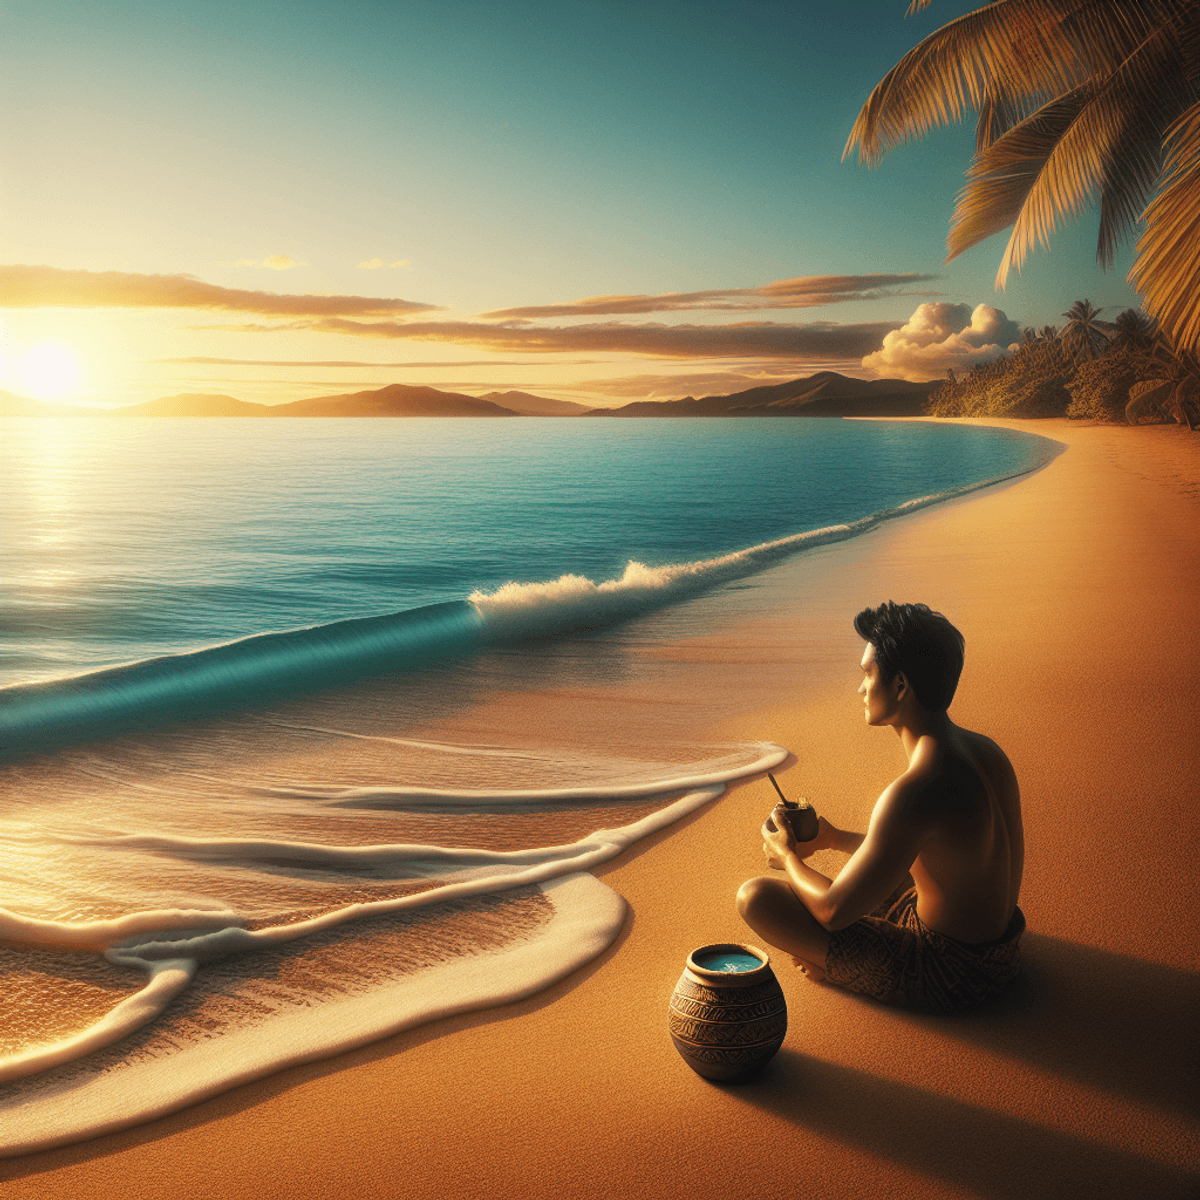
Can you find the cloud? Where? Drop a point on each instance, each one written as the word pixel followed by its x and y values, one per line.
pixel 197 360
pixel 805 291
pixel 940 336
pixel 276 262
pixel 52 287
pixel 748 339
pixel 374 264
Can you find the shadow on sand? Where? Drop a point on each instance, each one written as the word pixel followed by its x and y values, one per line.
pixel 1107 1020
pixel 1093 1017
pixel 985 1152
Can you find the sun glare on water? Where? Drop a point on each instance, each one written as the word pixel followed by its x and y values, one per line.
pixel 48 370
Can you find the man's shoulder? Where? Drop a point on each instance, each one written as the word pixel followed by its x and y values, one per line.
pixel 910 794
pixel 988 755
pixel 940 771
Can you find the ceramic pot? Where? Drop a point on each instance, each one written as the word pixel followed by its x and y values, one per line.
pixel 727 1024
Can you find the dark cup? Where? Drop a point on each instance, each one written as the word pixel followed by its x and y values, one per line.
pixel 801 821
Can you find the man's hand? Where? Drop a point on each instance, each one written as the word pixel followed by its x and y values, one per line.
pixel 778 843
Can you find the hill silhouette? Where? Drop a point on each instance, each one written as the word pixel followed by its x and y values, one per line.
pixel 536 406
pixel 395 400
pixel 825 394
pixel 193 404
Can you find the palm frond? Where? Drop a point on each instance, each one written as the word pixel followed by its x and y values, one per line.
pixel 1143 97
pixel 997 116
pixel 1011 51
pixel 1101 140
pixel 1187 22
pixel 1167 270
pixel 1002 61
pixel 1003 178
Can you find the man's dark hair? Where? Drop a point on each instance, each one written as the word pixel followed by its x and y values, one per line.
pixel 921 643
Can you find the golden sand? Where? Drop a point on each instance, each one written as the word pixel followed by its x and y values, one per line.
pixel 1077 589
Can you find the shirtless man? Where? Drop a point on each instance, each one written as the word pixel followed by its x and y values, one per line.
pixel 945 936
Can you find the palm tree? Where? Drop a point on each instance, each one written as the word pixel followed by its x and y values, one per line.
pixel 1077 101
pixel 1133 331
pixel 1051 345
pixel 1177 374
pixel 1084 335
pixel 1028 350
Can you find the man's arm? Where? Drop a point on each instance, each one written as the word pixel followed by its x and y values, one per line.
pixel 880 858
pixel 846 842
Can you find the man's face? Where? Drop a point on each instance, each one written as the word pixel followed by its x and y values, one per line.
pixel 879 700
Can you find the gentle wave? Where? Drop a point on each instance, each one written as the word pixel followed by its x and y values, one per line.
pixel 573 602
pixel 274 665
pixel 252 670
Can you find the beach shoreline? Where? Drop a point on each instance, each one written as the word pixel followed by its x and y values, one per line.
pixel 1076 588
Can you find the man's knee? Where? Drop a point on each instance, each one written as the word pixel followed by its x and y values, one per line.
pixel 755 894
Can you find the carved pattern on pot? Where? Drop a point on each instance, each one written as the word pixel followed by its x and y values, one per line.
pixel 727 1024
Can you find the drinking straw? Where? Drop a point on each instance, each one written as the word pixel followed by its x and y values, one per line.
pixel 776 787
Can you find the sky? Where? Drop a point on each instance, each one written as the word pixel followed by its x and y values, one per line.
pixel 600 201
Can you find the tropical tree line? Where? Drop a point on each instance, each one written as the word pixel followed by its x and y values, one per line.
pixel 1123 370
pixel 1079 103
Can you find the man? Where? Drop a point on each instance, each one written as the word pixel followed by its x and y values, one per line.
pixel 945 937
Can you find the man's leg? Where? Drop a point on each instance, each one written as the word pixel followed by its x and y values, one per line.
pixel 774 912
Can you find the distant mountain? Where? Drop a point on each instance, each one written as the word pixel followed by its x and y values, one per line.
pixel 194 404
pixel 12 405
pixel 825 394
pixel 396 400
pixel 536 406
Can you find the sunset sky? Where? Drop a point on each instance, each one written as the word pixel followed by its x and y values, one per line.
pixel 597 201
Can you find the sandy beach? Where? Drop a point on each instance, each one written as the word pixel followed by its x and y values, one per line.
pixel 1076 588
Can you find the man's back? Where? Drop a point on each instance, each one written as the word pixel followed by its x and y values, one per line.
pixel 968 872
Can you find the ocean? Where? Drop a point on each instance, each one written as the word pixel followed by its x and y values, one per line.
pixel 312 730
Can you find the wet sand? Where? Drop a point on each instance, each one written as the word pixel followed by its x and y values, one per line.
pixel 1077 589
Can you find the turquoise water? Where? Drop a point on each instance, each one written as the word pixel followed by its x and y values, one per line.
pixel 124 540
pixel 731 962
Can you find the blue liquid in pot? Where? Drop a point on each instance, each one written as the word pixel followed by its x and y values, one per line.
pixel 729 961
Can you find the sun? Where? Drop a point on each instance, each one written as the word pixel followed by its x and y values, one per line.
pixel 48 370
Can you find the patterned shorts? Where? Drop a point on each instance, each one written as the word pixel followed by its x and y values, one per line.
pixel 893 956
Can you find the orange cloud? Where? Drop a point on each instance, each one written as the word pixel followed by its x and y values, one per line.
pixel 805 291
pixel 748 339
pixel 358 363
pixel 53 287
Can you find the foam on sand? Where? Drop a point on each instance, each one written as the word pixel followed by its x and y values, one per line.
pixel 55 1093
pixel 587 917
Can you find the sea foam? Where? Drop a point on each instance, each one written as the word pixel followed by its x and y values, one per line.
pixel 41 1108
pixel 574 602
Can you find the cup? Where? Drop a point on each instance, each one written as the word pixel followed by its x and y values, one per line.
pixel 801 818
